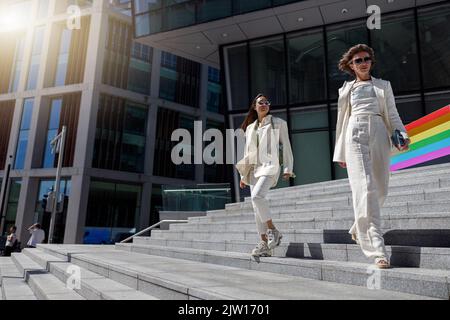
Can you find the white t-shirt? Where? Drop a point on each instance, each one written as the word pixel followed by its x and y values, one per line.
pixel 10 240
pixel 37 236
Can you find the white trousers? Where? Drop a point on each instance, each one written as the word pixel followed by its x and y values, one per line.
pixel 368 160
pixel 258 189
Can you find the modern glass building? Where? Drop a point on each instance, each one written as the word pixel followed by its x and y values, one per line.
pixel 290 51
pixel 75 64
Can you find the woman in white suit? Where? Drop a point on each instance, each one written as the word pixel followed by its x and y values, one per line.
pixel 264 133
pixel 367 118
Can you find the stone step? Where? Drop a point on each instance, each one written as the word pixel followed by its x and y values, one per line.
pixel 410 221
pixel 414 237
pixel 298 211
pixel 175 278
pixel 44 285
pixel 92 286
pixel 425 282
pixel 340 198
pixel 346 198
pixel 401 256
pixel 12 284
pixel 397 178
pixel 308 194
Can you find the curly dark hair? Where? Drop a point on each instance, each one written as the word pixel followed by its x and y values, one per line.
pixel 344 63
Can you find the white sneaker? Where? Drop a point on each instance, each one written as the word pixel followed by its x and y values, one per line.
pixel 261 250
pixel 274 238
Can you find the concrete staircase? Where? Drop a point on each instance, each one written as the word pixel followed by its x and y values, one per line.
pixel 208 258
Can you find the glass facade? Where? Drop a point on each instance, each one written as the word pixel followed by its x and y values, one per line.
pixel 268 69
pixel 52 132
pixel 120 137
pixel 153 16
pixel 434 36
pixel 168 121
pixel 63 57
pixel 214 90
pixel 396 51
pixel 299 73
pixel 18 62
pixel 307 67
pixel 179 80
pixel 44 217
pixel 11 205
pixel 22 143
pixel 113 212
pixel 139 70
pixel 35 58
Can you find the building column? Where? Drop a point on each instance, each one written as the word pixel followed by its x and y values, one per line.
pixel 203 103
pixel 84 148
pixel 77 210
pixel 144 217
pixel 26 208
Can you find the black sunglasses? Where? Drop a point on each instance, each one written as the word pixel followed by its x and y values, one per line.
pixel 361 60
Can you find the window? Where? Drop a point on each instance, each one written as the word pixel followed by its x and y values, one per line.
pixel 121 135
pixel 17 65
pixel 139 70
pixel 63 58
pixel 168 121
pixel 238 77
pixel 11 205
pixel 22 144
pixel 6 114
pixel 43 9
pixel 214 90
pixel 268 72
pixel 35 58
pixel 409 109
pixel 436 101
pixel 396 52
pixel 52 132
pixel 45 186
pixel 339 39
pixel 307 67
pixel 312 157
pixel 113 212
pixel 435 46
pixel 179 15
pixel 180 80
pixel 63 111
pixel 309 118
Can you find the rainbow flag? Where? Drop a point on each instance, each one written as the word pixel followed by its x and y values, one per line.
pixel 430 139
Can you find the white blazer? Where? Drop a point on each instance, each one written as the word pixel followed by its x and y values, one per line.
pixel 385 96
pixel 270 166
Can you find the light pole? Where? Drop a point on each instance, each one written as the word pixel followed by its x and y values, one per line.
pixel 58 147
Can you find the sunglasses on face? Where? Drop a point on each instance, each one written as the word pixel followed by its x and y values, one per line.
pixel 261 103
pixel 358 61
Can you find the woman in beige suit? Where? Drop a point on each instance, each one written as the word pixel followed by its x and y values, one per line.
pixel 367 117
pixel 263 134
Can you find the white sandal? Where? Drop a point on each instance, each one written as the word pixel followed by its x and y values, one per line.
pixel 382 263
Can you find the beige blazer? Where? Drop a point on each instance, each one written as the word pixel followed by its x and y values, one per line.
pixel 385 96
pixel 268 166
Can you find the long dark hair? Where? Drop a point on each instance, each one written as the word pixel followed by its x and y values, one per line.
pixel 252 115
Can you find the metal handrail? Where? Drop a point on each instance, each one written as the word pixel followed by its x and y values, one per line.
pixel 152 227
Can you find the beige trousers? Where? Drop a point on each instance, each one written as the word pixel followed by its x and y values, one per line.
pixel 367 154
pixel 259 188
